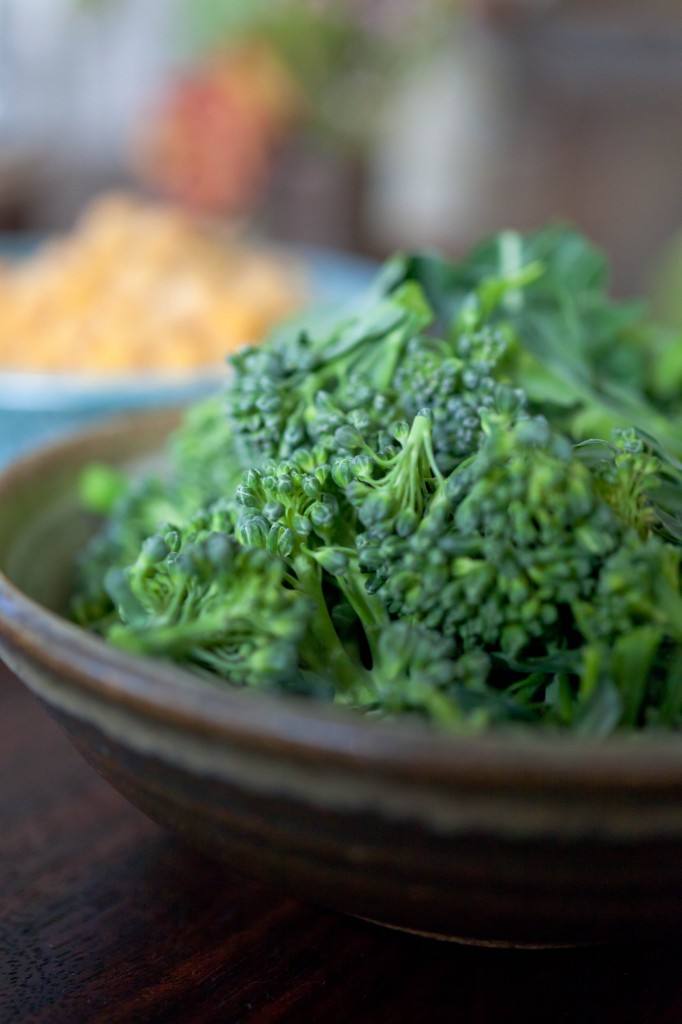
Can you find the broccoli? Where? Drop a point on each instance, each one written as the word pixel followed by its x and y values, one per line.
pixel 279 398
pixel 461 501
pixel 205 468
pixel 587 362
pixel 197 596
pixel 456 382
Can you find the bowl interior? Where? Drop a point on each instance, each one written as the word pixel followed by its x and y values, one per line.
pixel 44 525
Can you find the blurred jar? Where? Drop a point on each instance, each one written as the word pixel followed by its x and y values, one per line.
pixel 18 160
pixel 78 71
pixel 544 109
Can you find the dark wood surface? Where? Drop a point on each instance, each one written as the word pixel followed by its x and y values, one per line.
pixel 103 917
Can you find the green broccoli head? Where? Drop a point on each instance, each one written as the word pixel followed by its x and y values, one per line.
pixel 410 509
pixel 198 596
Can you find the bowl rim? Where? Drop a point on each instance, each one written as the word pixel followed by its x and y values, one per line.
pixel 295 727
pixel 63 391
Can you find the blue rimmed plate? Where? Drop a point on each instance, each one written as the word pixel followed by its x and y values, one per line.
pixel 34 407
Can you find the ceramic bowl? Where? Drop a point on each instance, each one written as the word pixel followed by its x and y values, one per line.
pixel 518 840
pixel 35 407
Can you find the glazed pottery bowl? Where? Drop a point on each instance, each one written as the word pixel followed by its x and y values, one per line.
pixel 515 839
pixel 35 407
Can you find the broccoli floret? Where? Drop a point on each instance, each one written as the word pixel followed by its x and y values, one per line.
pixel 139 510
pixel 515 538
pixel 531 557
pixel 275 401
pixel 199 597
pixel 456 381
pixel 297 510
pixel 204 468
pixel 391 492
pixel 589 363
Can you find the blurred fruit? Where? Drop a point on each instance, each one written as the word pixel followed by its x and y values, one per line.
pixel 212 139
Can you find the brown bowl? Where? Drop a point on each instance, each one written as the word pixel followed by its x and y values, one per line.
pixel 519 839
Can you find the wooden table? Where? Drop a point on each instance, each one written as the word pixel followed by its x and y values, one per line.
pixel 104 917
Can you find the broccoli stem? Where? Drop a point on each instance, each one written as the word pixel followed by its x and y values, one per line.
pixel 384 361
pixel 368 608
pixel 412 467
pixel 321 649
pixel 412 474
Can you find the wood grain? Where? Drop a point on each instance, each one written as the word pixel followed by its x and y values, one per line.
pixel 104 918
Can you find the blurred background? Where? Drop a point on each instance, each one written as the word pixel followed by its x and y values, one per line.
pixel 364 125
